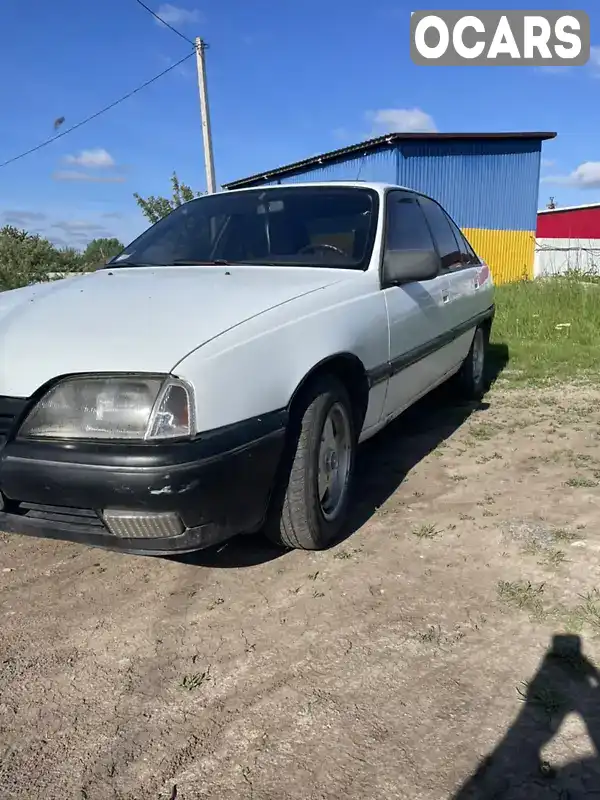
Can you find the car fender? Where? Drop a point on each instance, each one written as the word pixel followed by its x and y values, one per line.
pixel 257 367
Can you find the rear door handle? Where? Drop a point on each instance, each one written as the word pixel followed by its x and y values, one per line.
pixel 445 296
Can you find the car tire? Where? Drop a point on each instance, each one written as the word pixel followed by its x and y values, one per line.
pixel 310 502
pixel 470 380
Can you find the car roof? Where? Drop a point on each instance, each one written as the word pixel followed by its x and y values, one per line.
pixel 376 185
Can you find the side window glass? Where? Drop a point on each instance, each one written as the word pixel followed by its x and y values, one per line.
pixel 443 234
pixel 407 228
pixel 468 255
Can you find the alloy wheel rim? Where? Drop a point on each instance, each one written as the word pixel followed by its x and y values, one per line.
pixel 334 460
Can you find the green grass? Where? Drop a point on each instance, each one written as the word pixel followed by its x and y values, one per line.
pixel 527 316
pixel 425 532
pixel 521 595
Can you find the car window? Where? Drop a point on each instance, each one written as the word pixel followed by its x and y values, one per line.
pixel 279 226
pixel 443 234
pixel 406 227
pixel 468 255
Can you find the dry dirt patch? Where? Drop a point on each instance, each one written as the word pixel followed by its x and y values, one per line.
pixel 387 667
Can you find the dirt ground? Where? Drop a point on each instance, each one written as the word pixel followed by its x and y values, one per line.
pixel 394 665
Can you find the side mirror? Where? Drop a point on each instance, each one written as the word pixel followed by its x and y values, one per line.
pixel 405 266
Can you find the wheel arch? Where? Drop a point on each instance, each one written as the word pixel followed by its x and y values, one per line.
pixel 350 371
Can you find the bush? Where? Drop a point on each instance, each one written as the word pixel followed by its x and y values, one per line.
pixel 27 258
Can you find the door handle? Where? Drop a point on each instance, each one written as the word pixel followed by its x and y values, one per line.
pixel 445 297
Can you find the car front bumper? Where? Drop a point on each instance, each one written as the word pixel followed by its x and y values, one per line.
pixel 216 486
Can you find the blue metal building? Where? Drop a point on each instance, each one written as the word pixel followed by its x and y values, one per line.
pixel 488 182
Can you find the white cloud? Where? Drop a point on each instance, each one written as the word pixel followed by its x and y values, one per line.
pixel 79 226
pixel 401 120
pixel 175 15
pixel 94 159
pixel 23 218
pixel 586 176
pixel 592 67
pixel 77 175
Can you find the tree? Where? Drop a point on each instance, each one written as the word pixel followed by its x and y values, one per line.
pixel 155 208
pixel 29 258
pixel 26 258
pixel 99 251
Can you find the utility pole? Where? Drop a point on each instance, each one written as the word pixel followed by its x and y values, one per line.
pixel 209 161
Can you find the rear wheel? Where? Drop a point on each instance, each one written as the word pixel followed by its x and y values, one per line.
pixel 470 380
pixel 310 503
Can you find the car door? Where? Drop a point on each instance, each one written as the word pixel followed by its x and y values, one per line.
pixel 459 284
pixel 469 284
pixel 414 309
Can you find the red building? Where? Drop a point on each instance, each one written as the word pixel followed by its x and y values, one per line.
pixel 568 239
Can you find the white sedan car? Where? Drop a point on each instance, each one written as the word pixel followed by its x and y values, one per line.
pixel 217 376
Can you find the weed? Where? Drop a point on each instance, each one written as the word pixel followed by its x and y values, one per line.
pixel 313 576
pixel 218 602
pixel 563 535
pixel 487 459
pixel 434 635
pixel 588 611
pixel 521 595
pixel 466 517
pixel 425 532
pixel 579 482
pixel 484 430
pixel 532 548
pixel 344 555
pixel 553 559
pixel 194 681
pixel 541 696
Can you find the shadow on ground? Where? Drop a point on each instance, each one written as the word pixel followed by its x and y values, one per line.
pixel 566 682
pixel 383 463
pixel 386 460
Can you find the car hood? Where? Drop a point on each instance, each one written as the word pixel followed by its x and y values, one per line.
pixel 134 319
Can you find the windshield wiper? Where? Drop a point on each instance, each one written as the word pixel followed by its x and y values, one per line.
pixel 119 264
pixel 185 262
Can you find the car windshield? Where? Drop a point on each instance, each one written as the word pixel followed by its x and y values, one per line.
pixel 283 226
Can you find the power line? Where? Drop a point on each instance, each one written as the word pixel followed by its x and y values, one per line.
pixel 160 19
pixel 98 113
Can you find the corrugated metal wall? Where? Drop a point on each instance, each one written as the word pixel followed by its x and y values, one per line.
pixel 568 239
pixel 374 166
pixel 483 184
pixel 489 187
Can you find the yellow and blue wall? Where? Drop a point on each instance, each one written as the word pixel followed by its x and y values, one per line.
pixel 488 183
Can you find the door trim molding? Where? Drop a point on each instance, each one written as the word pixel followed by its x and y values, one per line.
pixel 391 368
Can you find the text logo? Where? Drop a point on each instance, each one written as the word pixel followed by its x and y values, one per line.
pixel 500 38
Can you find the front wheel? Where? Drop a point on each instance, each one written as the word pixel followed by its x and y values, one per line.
pixel 470 379
pixel 310 502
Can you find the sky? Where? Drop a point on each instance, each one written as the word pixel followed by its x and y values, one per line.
pixel 286 81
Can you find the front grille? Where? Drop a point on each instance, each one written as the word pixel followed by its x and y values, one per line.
pixel 62 515
pixel 10 409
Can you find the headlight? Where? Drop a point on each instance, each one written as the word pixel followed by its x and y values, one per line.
pixel 113 408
